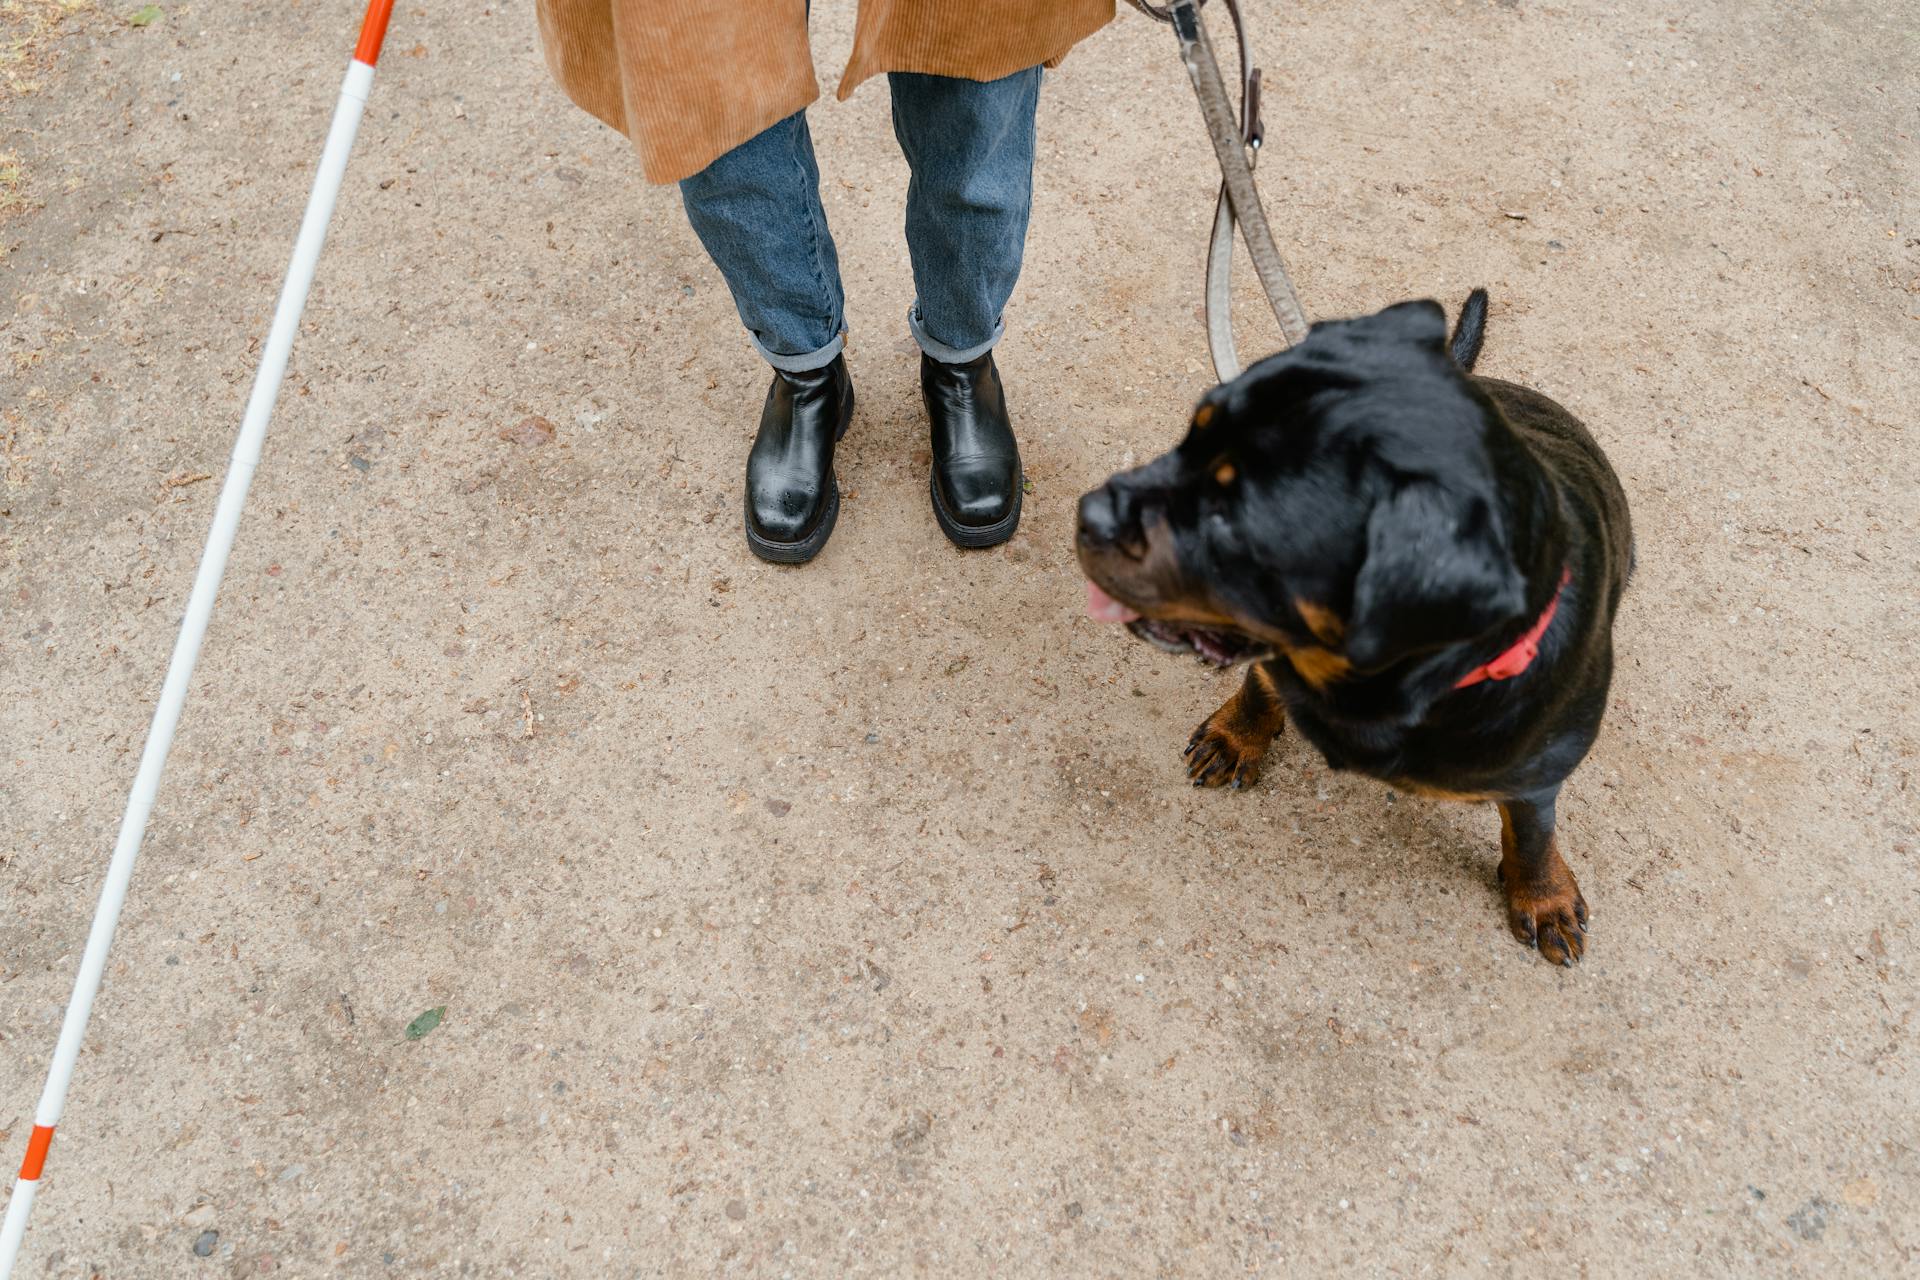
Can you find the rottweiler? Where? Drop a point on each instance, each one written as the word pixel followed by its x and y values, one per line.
pixel 1420 564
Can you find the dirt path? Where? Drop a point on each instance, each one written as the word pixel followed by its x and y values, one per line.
pixel 857 921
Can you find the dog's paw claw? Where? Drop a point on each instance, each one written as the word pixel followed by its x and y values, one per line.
pixel 1215 758
pixel 1553 923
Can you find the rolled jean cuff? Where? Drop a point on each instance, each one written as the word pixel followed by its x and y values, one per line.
pixel 804 363
pixel 941 351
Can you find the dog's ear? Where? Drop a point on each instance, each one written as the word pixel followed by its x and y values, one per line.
pixel 1437 572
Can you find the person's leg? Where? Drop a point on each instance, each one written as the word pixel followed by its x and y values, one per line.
pixel 757 210
pixel 970 146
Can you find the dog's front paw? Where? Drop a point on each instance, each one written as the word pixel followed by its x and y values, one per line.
pixel 1547 911
pixel 1222 753
pixel 1226 750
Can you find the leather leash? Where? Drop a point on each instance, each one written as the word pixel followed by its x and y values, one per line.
pixel 1237 147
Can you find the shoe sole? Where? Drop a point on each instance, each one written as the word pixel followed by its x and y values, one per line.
pixel 972 537
pixel 810 546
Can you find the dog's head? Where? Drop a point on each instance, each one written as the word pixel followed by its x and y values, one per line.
pixel 1351 502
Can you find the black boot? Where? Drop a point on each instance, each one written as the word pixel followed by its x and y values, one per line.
pixel 976 478
pixel 792 496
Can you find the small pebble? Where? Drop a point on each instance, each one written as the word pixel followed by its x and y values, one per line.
pixel 203 1247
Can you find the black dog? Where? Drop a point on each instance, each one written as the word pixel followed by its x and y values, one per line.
pixel 1421 564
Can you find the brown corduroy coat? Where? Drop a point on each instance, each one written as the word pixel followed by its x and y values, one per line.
pixel 689 81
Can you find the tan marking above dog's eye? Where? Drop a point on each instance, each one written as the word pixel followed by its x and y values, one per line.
pixel 1203 415
pixel 1224 473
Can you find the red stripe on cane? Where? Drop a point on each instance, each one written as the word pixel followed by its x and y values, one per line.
pixel 36 1153
pixel 373 32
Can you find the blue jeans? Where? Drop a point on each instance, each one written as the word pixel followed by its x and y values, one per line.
pixel 970 147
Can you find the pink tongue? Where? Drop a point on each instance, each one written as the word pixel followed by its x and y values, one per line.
pixel 1102 607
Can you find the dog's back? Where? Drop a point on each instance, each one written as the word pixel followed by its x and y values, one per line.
pixel 1562 445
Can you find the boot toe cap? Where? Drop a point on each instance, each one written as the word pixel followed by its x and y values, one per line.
pixel 980 494
pixel 785 516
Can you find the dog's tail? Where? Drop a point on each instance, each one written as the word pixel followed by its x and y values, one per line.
pixel 1470 329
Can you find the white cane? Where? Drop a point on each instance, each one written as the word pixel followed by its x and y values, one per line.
pixel 193 628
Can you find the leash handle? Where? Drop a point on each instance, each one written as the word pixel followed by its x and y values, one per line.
pixel 1196 52
pixel 1236 146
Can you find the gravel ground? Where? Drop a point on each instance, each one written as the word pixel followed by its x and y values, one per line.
pixel 857 920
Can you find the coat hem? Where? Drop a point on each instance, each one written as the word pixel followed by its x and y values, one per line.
pixel 666 167
pixel 859 72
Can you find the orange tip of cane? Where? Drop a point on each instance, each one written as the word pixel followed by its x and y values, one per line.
pixel 373 32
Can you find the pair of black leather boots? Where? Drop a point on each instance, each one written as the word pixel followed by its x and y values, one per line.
pixel 793 498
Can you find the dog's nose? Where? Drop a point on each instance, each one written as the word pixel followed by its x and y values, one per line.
pixel 1099 521
pixel 1110 520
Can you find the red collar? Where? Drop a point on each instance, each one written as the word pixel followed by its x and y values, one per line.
pixel 1524 650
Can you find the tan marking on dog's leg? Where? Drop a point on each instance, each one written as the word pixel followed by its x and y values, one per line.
pixel 1227 748
pixel 1544 904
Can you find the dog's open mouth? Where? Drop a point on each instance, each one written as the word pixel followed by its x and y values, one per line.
pixel 1220 647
